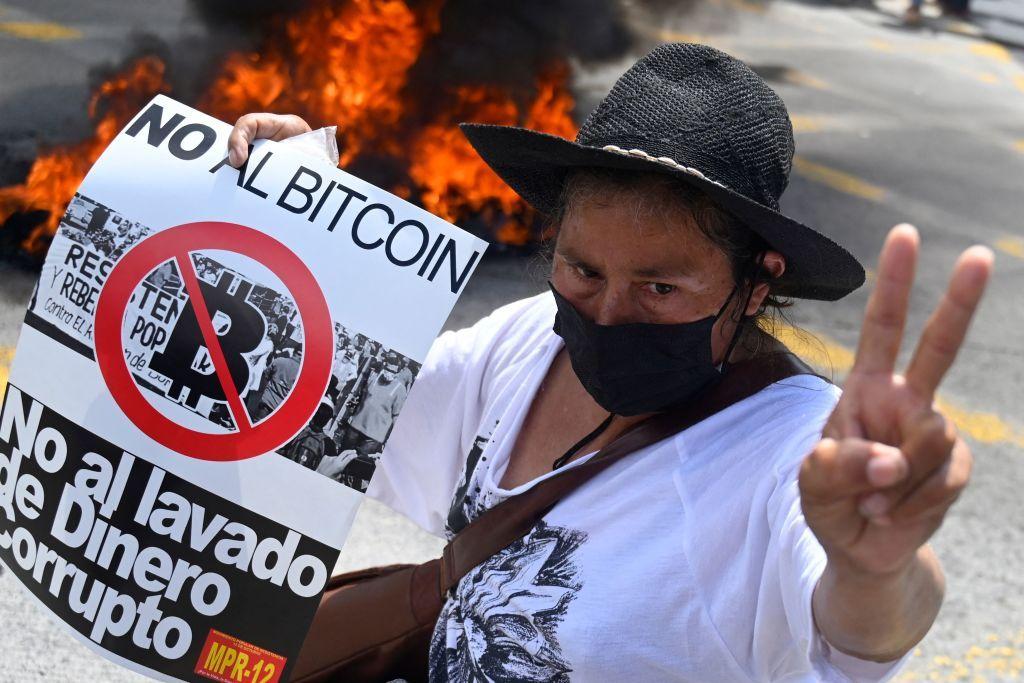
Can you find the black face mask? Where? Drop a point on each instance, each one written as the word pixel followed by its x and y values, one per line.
pixel 638 368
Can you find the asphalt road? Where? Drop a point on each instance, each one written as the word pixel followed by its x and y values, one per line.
pixel 893 125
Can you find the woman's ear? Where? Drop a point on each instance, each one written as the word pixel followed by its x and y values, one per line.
pixel 773 265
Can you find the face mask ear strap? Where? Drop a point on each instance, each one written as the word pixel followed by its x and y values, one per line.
pixel 758 266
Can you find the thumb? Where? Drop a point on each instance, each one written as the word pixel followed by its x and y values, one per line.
pixel 841 468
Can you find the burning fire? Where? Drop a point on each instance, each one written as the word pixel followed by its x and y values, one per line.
pixel 56 174
pixel 450 176
pixel 345 63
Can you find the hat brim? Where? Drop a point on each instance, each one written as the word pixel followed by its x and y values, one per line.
pixel 536 165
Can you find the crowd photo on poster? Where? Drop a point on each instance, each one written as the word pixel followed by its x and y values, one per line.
pixel 367 388
pixel 92 237
pixel 93 225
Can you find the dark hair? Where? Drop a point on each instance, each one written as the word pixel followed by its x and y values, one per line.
pixel 658 193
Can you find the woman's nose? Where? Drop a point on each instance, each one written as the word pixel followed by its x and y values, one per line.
pixel 614 307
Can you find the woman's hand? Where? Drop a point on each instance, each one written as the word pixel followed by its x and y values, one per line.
pixel 252 127
pixel 890 465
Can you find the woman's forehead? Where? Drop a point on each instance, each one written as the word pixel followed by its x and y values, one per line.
pixel 604 233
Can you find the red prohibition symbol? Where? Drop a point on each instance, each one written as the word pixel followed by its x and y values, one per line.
pixel 178 243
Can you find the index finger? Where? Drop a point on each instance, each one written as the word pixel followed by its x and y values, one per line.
pixel 886 312
pixel 947 327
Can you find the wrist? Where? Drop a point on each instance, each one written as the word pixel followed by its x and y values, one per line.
pixel 850 571
pixel 878 616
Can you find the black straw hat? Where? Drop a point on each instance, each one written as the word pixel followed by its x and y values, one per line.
pixel 696 113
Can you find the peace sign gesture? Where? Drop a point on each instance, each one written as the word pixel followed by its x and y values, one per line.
pixel 889 465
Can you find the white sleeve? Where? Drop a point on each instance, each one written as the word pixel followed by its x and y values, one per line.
pixel 419 468
pixel 795 563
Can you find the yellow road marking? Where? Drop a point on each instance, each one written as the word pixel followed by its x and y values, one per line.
pixel 881 45
pixel 933 48
pixel 1019 82
pixel 808 124
pixel 670 36
pixel 839 180
pixel 982 427
pixel 818 350
pixel 833 359
pixel 985 77
pixel 748 6
pixel 6 356
pixel 992 51
pixel 39 30
pixel 1014 246
pixel 808 81
pixel 1019 145
pixel 925 48
pixel 1002 658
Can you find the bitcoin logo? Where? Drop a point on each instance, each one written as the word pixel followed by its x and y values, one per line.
pixel 187 362
pixel 217 327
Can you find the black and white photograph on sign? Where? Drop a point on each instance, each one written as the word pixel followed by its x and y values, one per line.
pixel 367 389
pixel 93 225
pixel 91 238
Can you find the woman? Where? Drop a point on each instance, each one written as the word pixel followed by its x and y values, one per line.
pixel 784 538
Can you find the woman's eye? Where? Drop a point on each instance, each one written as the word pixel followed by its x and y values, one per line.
pixel 585 273
pixel 661 288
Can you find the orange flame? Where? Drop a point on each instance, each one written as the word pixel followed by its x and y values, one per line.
pixel 454 182
pixel 348 65
pixel 57 173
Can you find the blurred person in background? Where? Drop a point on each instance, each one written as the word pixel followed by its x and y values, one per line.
pixel 959 9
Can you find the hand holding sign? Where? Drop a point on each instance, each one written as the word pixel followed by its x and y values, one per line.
pixel 252 127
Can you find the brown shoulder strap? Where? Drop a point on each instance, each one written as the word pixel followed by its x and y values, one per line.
pixel 510 520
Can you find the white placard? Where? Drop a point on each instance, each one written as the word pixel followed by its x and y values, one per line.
pixel 210 366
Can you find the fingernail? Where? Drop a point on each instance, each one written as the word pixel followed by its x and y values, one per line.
pixel 874 505
pixel 886 467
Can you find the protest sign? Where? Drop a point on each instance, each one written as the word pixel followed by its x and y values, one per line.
pixel 210 366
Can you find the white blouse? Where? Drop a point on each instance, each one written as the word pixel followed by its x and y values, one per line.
pixel 686 561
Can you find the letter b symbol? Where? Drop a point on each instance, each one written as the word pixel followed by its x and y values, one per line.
pixel 239 327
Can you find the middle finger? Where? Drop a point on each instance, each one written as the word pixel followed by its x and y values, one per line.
pixel 947 327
